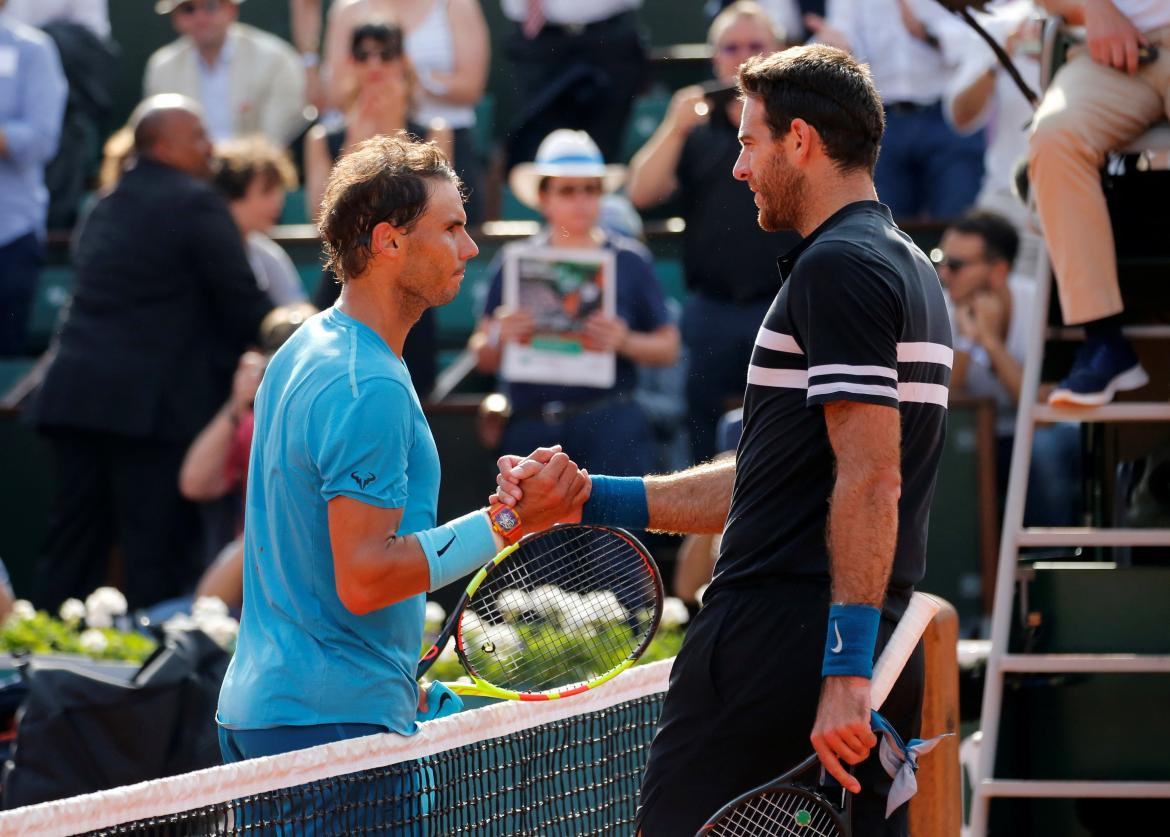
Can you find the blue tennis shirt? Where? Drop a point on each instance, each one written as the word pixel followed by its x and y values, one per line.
pixel 335 415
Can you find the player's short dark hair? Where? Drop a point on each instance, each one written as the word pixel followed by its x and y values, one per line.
pixel 382 179
pixel 240 162
pixel 827 88
pixel 1000 239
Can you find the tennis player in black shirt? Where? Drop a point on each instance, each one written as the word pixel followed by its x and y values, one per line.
pixel 824 508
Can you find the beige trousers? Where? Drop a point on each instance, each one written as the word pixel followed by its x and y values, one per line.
pixel 1088 110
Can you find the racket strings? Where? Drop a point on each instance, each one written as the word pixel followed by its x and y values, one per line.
pixel 565 608
pixel 777 812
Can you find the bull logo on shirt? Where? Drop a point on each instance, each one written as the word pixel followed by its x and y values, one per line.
pixel 361 480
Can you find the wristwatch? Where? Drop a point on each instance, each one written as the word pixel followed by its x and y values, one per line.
pixel 505 522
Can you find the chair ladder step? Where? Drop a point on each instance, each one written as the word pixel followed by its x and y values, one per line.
pixel 1073 536
pixel 1087 663
pixel 1151 411
pixel 1152 331
pixel 1048 788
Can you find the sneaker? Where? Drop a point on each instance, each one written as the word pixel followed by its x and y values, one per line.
pixel 1101 369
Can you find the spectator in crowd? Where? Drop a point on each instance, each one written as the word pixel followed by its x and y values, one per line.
pixel 32 102
pixel 605 428
pixel 992 311
pixel 447 44
pixel 380 103
pixel 94 15
pixel 254 175
pixel 248 81
pixel 305 22
pixel 730 262
pixel 163 303
pixel 575 65
pixel 216 464
pixel 789 15
pixel 380 100
pixel 1102 98
pixel 925 168
pixel 981 96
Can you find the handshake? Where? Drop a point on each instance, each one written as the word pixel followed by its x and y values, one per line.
pixel 545 488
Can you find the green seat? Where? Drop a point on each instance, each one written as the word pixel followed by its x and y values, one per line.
pixel 512 210
pixel 53 289
pixel 481 132
pixel 645 117
pixel 12 369
pixel 670 277
pixel 294 208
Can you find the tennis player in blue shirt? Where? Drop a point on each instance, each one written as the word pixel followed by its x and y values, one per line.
pixel 340 536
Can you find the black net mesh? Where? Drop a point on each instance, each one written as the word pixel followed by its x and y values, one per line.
pixel 577 776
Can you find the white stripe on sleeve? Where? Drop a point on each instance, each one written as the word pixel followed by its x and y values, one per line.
pixel 925 353
pixel 856 389
pixel 923 393
pixel 784 378
pixel 857 371
pixel 778 342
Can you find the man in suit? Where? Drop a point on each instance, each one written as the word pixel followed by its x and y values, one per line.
pixel 248 81
pixel 163 304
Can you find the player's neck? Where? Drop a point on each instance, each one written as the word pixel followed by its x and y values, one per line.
pixel 389 317
pixel 827 195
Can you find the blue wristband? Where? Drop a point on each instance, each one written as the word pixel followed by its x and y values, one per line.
pixel 850 640
pixel 617 501
pixel 457 548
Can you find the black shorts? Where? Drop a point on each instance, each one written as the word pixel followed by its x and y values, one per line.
pixel 741 705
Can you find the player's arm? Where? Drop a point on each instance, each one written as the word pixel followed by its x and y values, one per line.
pixel 375 566
pixel 690 502
pixel 862 535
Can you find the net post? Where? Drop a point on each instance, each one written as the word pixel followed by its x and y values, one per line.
pixel 937 809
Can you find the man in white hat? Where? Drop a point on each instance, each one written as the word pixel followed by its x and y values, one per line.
pixel 604 428
pixel 248 81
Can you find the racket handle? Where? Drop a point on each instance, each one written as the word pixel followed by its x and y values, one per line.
pixel 903 641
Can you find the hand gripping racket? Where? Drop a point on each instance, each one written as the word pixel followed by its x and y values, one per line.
pixel 555 614
pixel 794 804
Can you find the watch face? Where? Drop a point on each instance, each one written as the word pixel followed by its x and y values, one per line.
pixel 506 519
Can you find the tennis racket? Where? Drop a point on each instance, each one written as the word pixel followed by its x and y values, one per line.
pixel 796 804
pixel 553 615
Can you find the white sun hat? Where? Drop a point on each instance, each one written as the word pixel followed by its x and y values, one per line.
pixel 563 153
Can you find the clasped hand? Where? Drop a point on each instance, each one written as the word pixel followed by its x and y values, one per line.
pixel 554 489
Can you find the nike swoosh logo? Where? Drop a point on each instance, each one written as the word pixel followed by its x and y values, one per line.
pixel 446 547
pixel 443 699
pixel 836 649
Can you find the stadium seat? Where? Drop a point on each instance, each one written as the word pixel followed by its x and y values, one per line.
pixel 294 208
pixel 53 288
pixel 645 117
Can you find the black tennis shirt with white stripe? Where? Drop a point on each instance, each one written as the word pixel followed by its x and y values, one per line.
pixel 860 317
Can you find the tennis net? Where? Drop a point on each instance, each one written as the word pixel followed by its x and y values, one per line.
pixel 563 767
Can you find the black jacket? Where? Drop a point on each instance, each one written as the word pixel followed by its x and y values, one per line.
pixel 163 303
